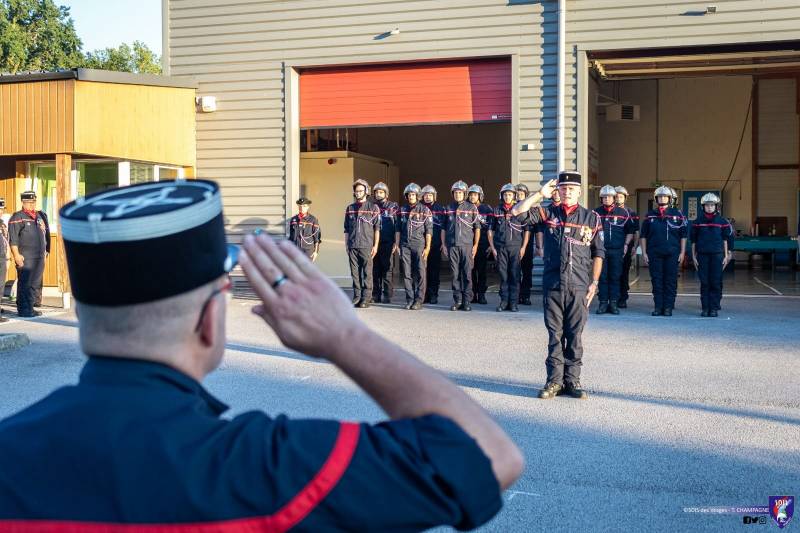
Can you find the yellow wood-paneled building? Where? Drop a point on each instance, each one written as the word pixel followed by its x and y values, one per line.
pixel 70 133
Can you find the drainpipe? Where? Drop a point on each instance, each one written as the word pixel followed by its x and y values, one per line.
pixel 562 81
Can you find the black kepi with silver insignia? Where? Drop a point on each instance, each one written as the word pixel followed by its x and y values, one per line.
pixel 117 242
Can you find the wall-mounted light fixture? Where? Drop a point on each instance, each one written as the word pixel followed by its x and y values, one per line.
pixel 207 104
pixel 711 9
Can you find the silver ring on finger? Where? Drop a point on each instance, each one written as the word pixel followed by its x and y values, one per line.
pixel 278 282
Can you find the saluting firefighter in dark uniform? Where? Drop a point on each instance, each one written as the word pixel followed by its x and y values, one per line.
pixel 485 214
pixel 414 227
pixel 627 260
pixel 508 240
pixel 29 237
pixel 526 264
pixel 4 256
pixel 539 229
pixel 663 243
pixel 617 236
pixel 711 251
pixel 573 250
pixel 460 236
pixel 434 263
pixel 383 265
pixel 304 230
pixel 362 233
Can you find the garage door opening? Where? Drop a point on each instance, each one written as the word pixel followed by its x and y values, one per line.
pixel 428 123
pixel 715 119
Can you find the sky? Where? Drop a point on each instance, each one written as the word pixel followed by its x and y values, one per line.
pixel 109 23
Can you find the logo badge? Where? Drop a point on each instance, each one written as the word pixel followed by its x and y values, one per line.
pixel 781 509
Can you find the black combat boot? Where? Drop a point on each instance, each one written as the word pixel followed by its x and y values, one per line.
pixel 466 307
pixel 482 299
pixel 574 389
pixel 704 312
pixel 612 308
pixel 513 308
pixel 602 308
pixel 667 311
pixel 622 304
pixel 502 307
pixel 525 301
pixel 417 305
pixel 550 391
pixel 713 313
pixel 456 306
pixel 409 305
pixel 657 312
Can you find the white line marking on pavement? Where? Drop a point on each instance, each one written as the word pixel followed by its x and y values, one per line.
pixel 773 289
pixel 512 493
pixel 304 378
pixel 632 283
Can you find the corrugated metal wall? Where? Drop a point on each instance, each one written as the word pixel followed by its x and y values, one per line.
pixel 236 52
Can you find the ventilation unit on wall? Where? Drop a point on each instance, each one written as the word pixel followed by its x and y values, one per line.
pixel 622 113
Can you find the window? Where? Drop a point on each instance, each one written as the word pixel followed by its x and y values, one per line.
pixel 141 173
pixel 167 173
pixel 96 176
pixel 44 183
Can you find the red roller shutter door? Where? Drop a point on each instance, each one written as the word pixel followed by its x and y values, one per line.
pixel 447 92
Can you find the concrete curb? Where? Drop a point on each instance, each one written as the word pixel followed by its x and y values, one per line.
pixel 13 341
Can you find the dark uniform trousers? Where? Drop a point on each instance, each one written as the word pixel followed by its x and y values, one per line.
pixel 382 270
pixel 608 289
pixel 664 277
pixel 710 273
pixel 479 268
pixel 508 266
pixel 565 315
pixel 526 267
pixel 361 271
pixel 412 267
pixel 461 266
pixel 29 279
pixel 625 279
pixel 432 269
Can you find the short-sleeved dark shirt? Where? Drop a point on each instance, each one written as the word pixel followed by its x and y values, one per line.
pixel 137 442
pixel 617 225
pixel 388 219
pixel 709 234
pixel 508 230
pixel 413 224
pixel 486 217
pixel 30 233
pixel 439 218
pixel 571 242
pixel 305 231
pixel 460 222
pixel 361 219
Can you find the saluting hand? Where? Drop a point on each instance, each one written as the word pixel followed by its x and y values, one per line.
pixel 548 188
pixel 308 312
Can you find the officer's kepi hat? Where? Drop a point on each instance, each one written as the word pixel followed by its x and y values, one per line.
pixel 2 202
pixel 145 242
pixel 303 201
pixel 28 195
pixel 569 178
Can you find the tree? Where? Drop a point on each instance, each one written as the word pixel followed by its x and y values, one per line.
pixel 37 35
pixel 138 59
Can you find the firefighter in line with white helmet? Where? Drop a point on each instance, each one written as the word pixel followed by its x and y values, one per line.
pixel 414 227
pixel 485 214
pixel 508 241
pixel 617 236
pixel 526 264
pixel 711 235
pixel 627 261
pixel 461 234
pixel 362 234
pixel 663 242
pixel 434 263
pixel 383 264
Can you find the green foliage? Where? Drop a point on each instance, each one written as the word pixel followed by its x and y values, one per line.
pixel 139 59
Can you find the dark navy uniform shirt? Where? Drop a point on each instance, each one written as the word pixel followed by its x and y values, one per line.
pixel 360 222
pixel 617 225
pixel 664 231
pixel 634 219
pixel 305 232
pixel 439 218
pixel 508 230
pixel 388 216
pixel 710 234
pixel 571 242
pixel 486 217
pixel 138 442
pixel 30 234
pixel 413 223
pixel 460 222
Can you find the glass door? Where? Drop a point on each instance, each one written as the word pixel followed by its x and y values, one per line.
pixel 94 176
pixel 43 178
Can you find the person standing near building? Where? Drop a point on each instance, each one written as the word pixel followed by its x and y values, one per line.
pixel 4 256
pixel 508 241
pixel 526 264
pixel 573 249
pixel 617 237
pixel 663 243
pixel 383 266
pixel 460 237
pixel 711 251
pixel 362 234
pixel 304 230
pixel 485 214
pixel 413 237
pixel 627 261
pixel 434 263
pixel 29 237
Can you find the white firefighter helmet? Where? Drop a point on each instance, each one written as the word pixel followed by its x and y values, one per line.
pixel 412 187
pixel 524 188
pixel 508 187
pixel 709 198
pixel 361 182
pixel 663 191
pixel 381 186
pixel 459 186
pixel 673 192
pixel 607 190
pixel 429 189
pixel 478 189
pixel 621 190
